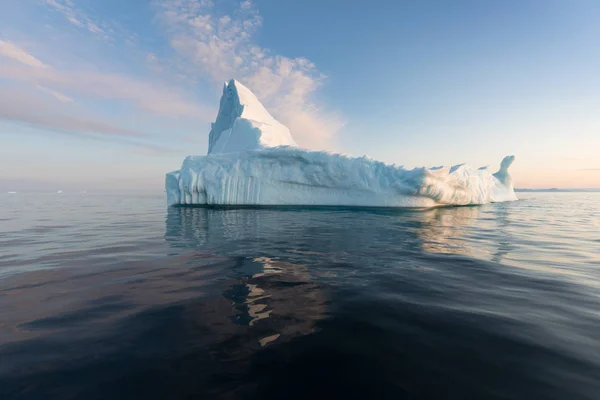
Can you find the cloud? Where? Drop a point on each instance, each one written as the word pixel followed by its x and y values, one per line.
pixel 150 96
pixel 21 106
pixel 590 169
pixel 57 95
pixel 221 46
pixel 14 52
pixel 8 49
pixel 77 17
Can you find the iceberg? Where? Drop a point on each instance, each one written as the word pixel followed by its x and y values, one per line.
pixel 253 160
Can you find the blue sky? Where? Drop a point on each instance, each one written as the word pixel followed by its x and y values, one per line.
pixel 110 95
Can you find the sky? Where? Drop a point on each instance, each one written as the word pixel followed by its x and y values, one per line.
pixel 110 95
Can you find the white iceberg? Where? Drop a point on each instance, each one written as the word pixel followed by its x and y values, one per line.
pixel 253 160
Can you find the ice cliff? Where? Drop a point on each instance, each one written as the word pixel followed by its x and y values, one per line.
pixel 253 160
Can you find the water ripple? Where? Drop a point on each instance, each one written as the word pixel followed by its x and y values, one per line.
pixel 108 297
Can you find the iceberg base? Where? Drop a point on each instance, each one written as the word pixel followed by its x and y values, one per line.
pixel 293 176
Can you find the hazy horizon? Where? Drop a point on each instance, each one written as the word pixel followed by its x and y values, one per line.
pixel 25 186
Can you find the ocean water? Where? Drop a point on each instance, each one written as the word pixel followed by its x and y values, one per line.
pixel 117 298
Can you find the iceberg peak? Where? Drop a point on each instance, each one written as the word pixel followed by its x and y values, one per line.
pixel 243 123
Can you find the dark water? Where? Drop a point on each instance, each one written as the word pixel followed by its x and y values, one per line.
pixel 106 298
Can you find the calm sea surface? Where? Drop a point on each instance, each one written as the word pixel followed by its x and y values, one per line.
pixel 112 298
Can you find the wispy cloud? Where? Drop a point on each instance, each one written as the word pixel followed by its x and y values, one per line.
pixel 26 108
pixel 22 106
pixel 57 95
pixel 77 17
pixel 16 53
pixel 590 169
pixel 149 96
pixel 9 50
pixel 55 112
pixel 221 46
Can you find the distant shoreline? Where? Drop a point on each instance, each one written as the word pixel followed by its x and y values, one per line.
pixel 555 190
pixel 146 193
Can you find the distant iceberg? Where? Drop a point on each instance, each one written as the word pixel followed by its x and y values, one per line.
pixel 253 160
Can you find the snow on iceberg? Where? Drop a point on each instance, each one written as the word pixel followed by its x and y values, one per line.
pixel 244 124
pixel 253 160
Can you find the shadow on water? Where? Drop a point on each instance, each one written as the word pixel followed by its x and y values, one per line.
pixel 296 303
